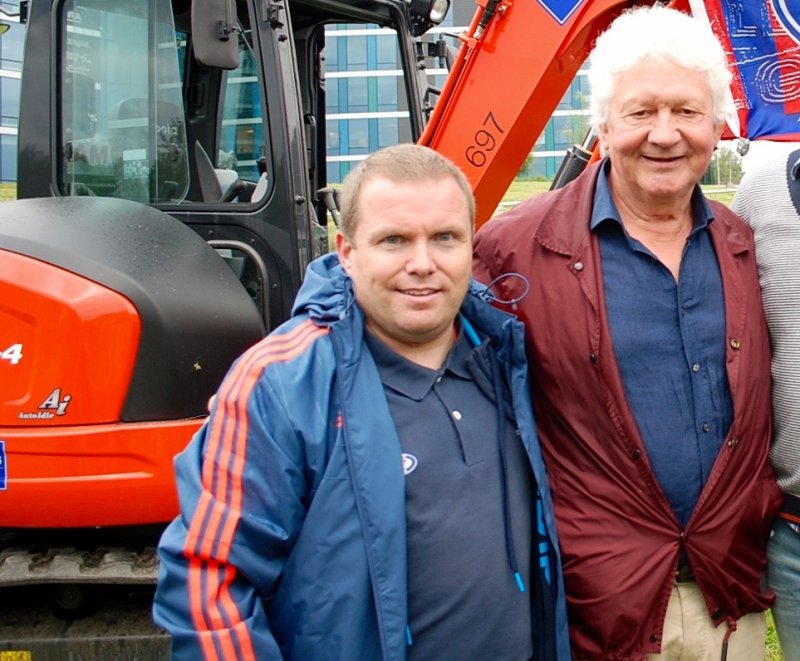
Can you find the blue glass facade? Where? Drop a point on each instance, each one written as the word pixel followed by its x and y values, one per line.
pixel 364 97
pixel 11 44
pixel 364 101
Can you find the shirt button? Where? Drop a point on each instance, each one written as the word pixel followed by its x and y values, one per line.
pixel 456 415
pixel 706 427
pixel 735 344
pixel 578 266
pixel 696 367
pixel 438 379
pixel 732 443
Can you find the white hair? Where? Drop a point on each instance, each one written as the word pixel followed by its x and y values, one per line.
pixel 664 34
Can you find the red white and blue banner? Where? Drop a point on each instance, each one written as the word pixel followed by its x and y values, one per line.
pixel 762 39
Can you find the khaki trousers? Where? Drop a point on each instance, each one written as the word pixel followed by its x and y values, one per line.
pixel 690 634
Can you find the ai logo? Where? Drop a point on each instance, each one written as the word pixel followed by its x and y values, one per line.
pixel 788 13
pixel 55 402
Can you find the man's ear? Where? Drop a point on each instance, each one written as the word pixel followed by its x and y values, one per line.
pixel 344 249
pixel 602 136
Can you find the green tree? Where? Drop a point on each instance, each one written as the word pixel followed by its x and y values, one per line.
pixel 725 168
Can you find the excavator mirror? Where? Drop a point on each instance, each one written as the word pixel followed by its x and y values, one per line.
pixel 215 33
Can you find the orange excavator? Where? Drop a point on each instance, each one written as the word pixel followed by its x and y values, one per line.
pixel 172 186
pixel 118 318
pixel 170 154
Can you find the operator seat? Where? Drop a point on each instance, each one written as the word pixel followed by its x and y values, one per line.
pixel 207 177
pixel 216 184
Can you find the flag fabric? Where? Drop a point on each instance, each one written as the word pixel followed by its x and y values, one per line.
pixel 762 41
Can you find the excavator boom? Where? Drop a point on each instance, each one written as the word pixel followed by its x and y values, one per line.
pixel 515 63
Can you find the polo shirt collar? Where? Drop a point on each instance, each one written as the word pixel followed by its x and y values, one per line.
pixel 407 377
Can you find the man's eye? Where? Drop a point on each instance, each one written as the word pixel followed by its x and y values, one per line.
pixel 446 236
pixel 393 240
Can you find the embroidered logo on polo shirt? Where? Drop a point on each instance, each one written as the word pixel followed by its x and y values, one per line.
pixel 409 463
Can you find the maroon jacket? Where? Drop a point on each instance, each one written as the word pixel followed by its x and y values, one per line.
pixel 619 537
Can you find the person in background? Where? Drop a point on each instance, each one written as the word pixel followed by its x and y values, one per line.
pixel 769 200
pixel 649 359
pixel 369 483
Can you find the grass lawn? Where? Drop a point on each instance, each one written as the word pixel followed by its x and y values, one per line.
pixel 8 192
pixel 518 191
pixel 773 650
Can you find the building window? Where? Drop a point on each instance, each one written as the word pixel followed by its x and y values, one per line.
pixel 8 158
pixel 356 53
pixel 387 52
pixel 388 133
pixel 358 136
pixel 357 97
pixel 9 102
pixel 387 93
pixel 11 46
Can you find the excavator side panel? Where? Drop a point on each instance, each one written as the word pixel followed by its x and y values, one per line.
pixel 67 346
pixel 56 477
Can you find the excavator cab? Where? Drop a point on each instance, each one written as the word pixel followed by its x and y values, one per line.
pixel 170 154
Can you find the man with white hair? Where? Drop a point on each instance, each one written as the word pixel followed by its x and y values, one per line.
pixel 649 360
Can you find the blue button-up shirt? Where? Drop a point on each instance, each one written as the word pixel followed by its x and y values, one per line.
pixel 669 343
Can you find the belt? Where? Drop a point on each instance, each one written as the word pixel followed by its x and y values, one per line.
pixel 684 573
pixel 791 508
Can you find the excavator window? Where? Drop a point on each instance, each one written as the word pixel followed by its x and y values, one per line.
pixel 123 131
pixel 128 126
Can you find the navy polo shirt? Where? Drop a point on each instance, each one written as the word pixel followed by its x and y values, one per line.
pixel 669 343
pixel 463 600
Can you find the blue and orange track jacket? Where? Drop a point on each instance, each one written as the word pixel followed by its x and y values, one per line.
pixel 291 542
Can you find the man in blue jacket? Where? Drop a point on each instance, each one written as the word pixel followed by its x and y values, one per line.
pixel 369 483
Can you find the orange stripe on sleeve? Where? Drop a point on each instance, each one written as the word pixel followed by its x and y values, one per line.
pixel 232 450
pixel 195 580
pixel 222 429
pixel 218 512
pixel 239 630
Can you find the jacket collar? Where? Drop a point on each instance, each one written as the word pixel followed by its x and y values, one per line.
pixel 573 201
pixel 576 200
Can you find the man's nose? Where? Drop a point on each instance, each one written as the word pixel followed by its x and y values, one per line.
pixel 664 130
pixel 421 260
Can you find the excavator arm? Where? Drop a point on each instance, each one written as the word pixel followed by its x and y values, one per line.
pixel 515 63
